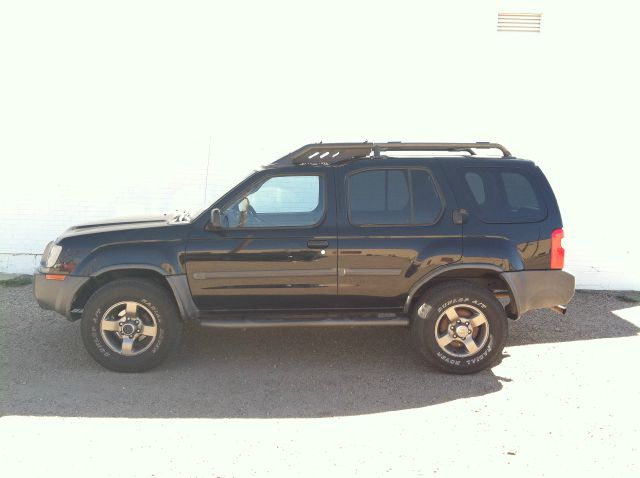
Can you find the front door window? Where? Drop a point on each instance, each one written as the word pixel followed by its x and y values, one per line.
pixel 280 201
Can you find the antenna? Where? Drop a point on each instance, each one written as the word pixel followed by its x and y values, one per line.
pixel 206 176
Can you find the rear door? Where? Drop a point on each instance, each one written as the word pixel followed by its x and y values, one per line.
pixel 277 249
pixel 394 226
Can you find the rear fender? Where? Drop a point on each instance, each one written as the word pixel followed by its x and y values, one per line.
pixel 475 270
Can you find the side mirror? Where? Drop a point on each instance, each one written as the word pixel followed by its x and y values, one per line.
pixel 216 219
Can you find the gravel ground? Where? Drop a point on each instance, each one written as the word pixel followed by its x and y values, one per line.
pixel 368 379
pixel 256 373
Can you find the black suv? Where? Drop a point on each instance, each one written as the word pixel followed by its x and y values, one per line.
pixel 343 234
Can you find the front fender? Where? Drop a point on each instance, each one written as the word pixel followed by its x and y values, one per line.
pixel 160 257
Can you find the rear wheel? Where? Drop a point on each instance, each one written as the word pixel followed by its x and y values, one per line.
pixel 130 325
pixel 459 327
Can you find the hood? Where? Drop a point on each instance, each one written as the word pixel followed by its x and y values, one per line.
pixel 121 221
pixel 129 223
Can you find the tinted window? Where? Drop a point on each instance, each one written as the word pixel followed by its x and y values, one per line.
pixel 360 186
pixel 379 197
pixel 519 192
pixel 504 196
pixel 426 202
pixel 397 192
pixel 476 185
pixel 279 201
pixel 383 197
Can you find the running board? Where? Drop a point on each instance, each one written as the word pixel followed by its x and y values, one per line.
pixel 248 324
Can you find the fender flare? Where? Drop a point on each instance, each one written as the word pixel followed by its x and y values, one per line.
pixel 177 282
pixel 441 270
pixel 124 267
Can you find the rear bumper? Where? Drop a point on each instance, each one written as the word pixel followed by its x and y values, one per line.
pixel 538 290
pixel 57 295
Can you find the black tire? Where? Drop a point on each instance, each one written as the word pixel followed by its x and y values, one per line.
pixel 156 313
pixel 469 302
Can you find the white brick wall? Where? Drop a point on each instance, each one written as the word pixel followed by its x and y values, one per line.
pixel 37 207
pixel 109 112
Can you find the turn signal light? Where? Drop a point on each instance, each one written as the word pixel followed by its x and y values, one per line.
pixel 55 276
pixel 557 251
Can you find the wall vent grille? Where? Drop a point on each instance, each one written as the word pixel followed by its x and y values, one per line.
pixel 519 22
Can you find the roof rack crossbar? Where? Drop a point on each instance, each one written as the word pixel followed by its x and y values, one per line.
pixel 325 153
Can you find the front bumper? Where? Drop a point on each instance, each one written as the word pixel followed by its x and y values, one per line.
pixel 57 295
pixel 538 290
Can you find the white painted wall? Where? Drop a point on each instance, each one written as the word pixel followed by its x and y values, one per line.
pixel 107 109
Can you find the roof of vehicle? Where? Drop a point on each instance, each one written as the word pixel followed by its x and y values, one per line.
pixel 327 154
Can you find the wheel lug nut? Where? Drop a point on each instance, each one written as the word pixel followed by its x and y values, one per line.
pixel 138 330
pixel 131 336
pixel 121 323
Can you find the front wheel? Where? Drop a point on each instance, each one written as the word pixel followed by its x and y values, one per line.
pixel 459 327
pixel 130 325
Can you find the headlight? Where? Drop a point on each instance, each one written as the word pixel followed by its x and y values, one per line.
pixel 52 257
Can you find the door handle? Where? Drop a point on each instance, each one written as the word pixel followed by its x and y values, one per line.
pixel 317 244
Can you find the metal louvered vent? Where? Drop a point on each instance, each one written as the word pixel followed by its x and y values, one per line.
pixel 519 22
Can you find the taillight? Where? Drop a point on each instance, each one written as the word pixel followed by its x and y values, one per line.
pixel 557 251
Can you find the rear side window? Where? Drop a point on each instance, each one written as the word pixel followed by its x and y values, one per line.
pixel 393 197
pixel 426 201
pixel 519 192
pixel 476 185
pixel 504 195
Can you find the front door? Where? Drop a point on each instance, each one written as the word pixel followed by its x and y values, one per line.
pixel 276 250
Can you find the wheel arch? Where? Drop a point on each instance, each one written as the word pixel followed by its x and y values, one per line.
pixel 109 274
pixel 488 276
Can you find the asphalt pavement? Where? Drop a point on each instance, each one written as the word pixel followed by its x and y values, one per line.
pixel 318 402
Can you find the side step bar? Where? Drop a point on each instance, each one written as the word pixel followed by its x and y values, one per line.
pixel 247 324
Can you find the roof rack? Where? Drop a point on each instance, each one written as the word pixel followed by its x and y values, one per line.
pixel 327 153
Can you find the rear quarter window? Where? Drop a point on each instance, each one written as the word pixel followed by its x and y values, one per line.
pixel 503 195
